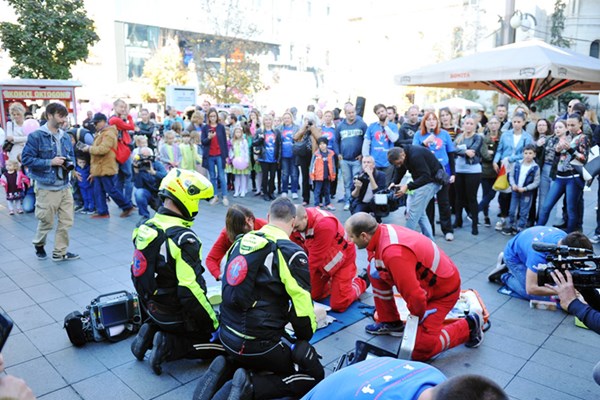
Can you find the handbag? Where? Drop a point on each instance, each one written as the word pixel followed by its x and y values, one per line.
pixel 501 183
pixel 122 152
pixel 441 177
pixel 7 146
pixel 303 148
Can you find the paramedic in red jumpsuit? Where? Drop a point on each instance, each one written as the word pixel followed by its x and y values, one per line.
pixel 331 258
pixel 423 275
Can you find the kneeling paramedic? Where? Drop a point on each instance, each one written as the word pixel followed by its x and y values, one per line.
pixel 167 274
pixel 425 277
pixel 266 284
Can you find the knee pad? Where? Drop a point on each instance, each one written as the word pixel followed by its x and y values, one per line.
pixel 307 359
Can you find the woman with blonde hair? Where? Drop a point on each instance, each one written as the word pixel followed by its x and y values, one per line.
pixel 14 130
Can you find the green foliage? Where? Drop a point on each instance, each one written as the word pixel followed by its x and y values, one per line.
pixel 545 103
pixel 472 95
pixel 163 69
pixel 558 25
pixel 563 101
pixel 50 36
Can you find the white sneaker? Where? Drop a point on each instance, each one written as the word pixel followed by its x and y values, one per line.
pixel 294 196
pixel 499 224
pixel 225 202
pixel 236 194
pixel 243 194
pixel 449 236
pixel 346 206
pixel 284 194
pixel 214 201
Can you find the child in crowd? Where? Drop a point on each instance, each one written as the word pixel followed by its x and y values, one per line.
pixel 240 160
pixel 322 172
pixel 170 155
pixel 140 141
pixel 189 152
pixel 523 179
pixel 85 186
pixel 15 183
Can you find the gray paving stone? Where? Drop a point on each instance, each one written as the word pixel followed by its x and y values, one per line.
pixel 519 313
pixel 75 364
pixel 41 377
pixel 586 352
pixel 19 349
pixel 44 292
pixel 14 300
pixel 510 344
pixel 27 279
pixel 104 386
pixel 526 390
pixel 30 317
pixel 147 385
pixel 97 279
pixel 54 272
pixel 182 392
pixel 184 370
pixel 7 284
pixel 59 308
pixel 555 378
pixel 50 338
pixel 71 285
pixel 113 354
pixel 62 394
pixel 568 364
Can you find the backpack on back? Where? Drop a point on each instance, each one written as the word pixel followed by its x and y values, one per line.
pixel 150 253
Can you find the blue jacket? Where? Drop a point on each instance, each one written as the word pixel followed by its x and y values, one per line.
pixel 532 180
pixel 506 147
pixel 221 138
pixel 350 138
pixel 38 153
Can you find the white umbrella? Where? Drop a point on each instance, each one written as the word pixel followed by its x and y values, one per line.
pixel 458 103
pixel 527 71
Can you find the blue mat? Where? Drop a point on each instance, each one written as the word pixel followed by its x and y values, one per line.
pixel 353 314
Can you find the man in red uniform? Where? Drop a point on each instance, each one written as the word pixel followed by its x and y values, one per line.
pixel 238 220
pixel 426 278
pixel 331 258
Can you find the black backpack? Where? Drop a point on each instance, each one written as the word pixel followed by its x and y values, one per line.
pixel 150 253
pixel 303 148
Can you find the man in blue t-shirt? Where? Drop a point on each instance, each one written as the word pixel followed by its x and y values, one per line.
pixel 523 262
pixel 386 378
pixel 350 136
pixel 379 138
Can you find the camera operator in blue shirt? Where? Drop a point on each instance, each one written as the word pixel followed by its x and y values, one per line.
pixel 147 174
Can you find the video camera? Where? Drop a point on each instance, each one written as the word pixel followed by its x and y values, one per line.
pixel 585 268
pixel 384 202
pixel 112 316
pixel 142 162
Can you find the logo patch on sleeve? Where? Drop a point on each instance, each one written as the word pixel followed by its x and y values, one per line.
pixel 237 271
pixel 139 263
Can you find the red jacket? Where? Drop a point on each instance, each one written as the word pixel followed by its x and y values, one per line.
pixel 413 263
pixel 325 242
pixel 123 126
pixel 316 166
pixel 219 249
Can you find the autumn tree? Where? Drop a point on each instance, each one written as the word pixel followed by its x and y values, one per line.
pixel 50 36
pixel 558 25
pixel 164 68
pixel 225 62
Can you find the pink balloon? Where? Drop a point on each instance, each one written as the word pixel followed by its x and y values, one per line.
pixel 30 125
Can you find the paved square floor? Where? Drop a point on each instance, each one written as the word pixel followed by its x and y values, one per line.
pixel 533 354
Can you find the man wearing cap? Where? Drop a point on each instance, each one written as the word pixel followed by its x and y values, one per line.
pixel 104 169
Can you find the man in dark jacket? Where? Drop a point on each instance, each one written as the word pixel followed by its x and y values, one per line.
pixel 147 174
pixel 427 179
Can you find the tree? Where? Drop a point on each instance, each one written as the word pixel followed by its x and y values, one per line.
pixel 558 25
pixel 164 68
pixel 225 63
pixel 50 36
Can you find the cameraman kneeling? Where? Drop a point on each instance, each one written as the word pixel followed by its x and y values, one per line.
pixel 365 185
pixel 565 289
pixel 147 174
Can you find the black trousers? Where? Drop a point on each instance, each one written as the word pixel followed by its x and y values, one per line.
pixel 275 357
pixel 443 202
pixel 304 165
pixel 268 180
pixel 466 186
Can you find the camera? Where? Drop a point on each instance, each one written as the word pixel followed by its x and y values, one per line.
pixel 309 123
pixel 363 177
pixel 585 268
pixel 68 165
pixel 143 163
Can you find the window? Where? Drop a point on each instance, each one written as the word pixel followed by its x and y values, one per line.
pixel 595 49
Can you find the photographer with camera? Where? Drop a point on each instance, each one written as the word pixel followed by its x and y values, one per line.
pixel 365 185
pixel 147 174
pixel 523 261
pixel 49 155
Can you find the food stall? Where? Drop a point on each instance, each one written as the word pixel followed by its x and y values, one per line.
pixel 27 91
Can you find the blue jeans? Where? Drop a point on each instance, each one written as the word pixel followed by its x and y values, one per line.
pixel 322 188
pixel 416 210
pixel 515 278
pixel 545 182
pixel 125 182
pixel 596 231
pixel 88 198
pixel 218 175
pixel 519 203
pixel 289 169
pixel 29 201
pixel 349 170
pixel 487 195
pixel 572 187
pixel 104 185
pixel 142 198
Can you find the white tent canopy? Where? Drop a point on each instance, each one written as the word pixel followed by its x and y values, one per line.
pixel 458 103
pixel 527 71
